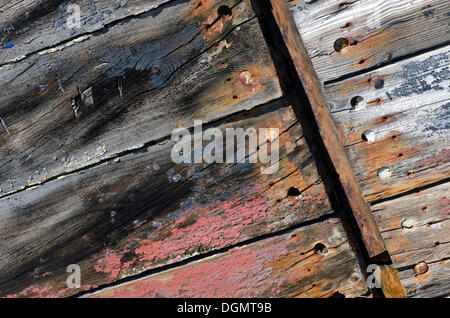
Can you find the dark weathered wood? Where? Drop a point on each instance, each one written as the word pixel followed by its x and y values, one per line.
pixel 401 124
pixel 288 265
pixel 32 25
pixel 415 228
pixel 370 234
pixel 344 36
pixel 142 211
pixel 107 92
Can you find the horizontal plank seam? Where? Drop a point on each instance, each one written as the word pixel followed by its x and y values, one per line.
pixel 406 193
pixel 107 26
pixel 133 150
pixel 207 255
pixel 383 64
pixel 408 267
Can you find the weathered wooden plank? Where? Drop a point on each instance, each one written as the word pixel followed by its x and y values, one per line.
pixel 305 75
pixel 343 37
pixel 30 26
pixel 434 283
pixel 291 265
pixel 400 123
pixel 120 218
pixel 65 110
pixel 415 227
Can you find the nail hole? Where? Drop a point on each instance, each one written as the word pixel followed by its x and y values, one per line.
pixel 319 248
pixel 400 155
pixel 409 174
pixel 358 102
pixel 424 209
pixel 437 244
pixel 362 61
pixel 235 96
pixel 347 25
pixel 340 43
pixel 228 79
pixel 293 192
pixel 393 137
pixel 224 11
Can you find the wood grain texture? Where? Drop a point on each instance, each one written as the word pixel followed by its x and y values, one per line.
pixel 284 266
pixel 402 124
pixel 432 284
pixel 32 25
pixel 309 86
pixel 120 218
pixel 106 93
pixel 371 32
pixel 415 228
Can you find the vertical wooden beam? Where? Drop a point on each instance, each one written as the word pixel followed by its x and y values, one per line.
pixel 390 283
pixel 371 236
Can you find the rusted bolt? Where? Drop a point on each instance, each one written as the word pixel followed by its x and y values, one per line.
pixel 384 173
pixel 340 43
pixel 377 82
pixel 246 78
pixel 421 268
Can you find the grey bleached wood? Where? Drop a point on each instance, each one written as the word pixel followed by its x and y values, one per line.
pixel 433 284
pixel 402 124
pixel 416 229
pixel 376 31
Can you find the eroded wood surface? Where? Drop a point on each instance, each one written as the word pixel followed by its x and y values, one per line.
pixel 400 124
pixel 289 265
pixel 142 211
pixel 415 228
pixel 344 37
pixel 71 108
pixel 29 26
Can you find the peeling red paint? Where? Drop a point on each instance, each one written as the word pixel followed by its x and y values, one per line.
pixel 434 160
pixel 218 225
pixel 244 272
pixel 445 205
pixel 109 264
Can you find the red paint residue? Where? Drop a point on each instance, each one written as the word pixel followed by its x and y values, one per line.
pixel 109 264
pixel 445 205
pixel 435 159
pixel 218 225
pixel 242 272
